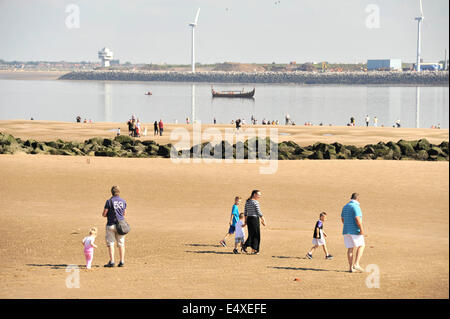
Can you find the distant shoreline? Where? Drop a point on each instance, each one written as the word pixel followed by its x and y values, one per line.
pixel 439 78
pixel 31 75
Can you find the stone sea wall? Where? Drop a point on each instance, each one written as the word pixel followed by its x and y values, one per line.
pixel 125 146
pixel 437 78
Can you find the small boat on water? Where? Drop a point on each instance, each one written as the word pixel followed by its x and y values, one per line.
pixel 240 94
pixel 148 93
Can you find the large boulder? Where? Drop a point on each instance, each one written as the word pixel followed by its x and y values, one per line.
pixel 396 150
pixel 122 139
pixel 355 151
pixel 152 150
pixel 407 147
pixel 422 155
pixel 287 150
pixel 164 150
pixel 423 144
pixel 302 152
pixel 94 140
pixel 7 139
pixel 383 151
pixel 330 153
pixel 444 147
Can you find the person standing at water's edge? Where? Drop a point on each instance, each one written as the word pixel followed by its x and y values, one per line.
pixel 353 232
pixel 253 215
pixel 155 128
pixel 161 127
pixel 114 210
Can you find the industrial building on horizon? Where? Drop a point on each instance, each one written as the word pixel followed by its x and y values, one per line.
pixel 384 64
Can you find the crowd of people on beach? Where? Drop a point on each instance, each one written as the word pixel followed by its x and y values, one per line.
pixel 135 129
pixel 351 217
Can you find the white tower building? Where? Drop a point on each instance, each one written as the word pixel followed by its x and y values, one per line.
pixel 105 55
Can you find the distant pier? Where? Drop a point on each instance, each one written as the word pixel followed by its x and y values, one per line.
pixel 432 78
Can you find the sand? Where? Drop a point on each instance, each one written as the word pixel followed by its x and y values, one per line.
pixel 179 212
pixel 31 75
pixel 302 135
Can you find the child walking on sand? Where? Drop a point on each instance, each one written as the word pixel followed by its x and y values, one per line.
pixel 319 237
pixel 239 236
pixel 88 243
pixel 233 220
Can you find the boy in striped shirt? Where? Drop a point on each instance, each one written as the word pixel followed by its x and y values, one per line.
pixel 319 237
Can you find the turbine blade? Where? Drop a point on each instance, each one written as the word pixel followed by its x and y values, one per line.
pixel 421 8
pixel 196 17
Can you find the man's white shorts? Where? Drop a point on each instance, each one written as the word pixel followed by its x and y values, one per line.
pixel 353 240
pixel 112 236
pixel 318 241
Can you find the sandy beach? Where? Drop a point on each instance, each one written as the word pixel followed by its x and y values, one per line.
pixel 31 75
pixel 179 212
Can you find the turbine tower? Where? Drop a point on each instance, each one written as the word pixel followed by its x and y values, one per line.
pixel 193 25
pixel 419 35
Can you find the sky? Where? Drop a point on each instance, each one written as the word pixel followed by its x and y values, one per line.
pixel 246 31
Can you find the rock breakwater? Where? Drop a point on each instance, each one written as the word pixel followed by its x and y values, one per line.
pixel 436 78
pixel 125 146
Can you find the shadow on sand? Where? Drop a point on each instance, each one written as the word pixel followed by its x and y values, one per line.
pixel 305 269
pixel 202 245
pixel 210 252
pixel 288 257
pixel 59 266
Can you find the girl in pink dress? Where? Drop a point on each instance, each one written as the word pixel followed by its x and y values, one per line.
pixel 88 243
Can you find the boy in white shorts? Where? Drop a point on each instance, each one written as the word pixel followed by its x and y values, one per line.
pixel 239 236
pixel 319 237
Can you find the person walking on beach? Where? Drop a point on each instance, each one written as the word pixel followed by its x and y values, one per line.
pixel 155 128
pixel 138 128
pixel 88 243
pixel 253 215
pixel 319 237
pixel 233 220
pixel 375 121
pixel 114 210
pixel 161 127
pixel 353 232
pixel 238 125
pixel 367 120
pixel 239 236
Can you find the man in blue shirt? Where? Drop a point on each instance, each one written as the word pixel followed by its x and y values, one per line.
pixel 114 210
pixel 353 232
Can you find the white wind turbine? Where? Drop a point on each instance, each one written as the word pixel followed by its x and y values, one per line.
pixel 419 35
pixel 193 25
